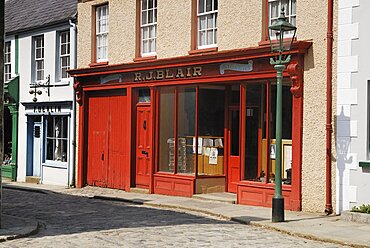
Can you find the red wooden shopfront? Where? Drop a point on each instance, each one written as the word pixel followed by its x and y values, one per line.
pixel 192 124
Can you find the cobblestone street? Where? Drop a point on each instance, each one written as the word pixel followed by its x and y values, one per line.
pixel 74 221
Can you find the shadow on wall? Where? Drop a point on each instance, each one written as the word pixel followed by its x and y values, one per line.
pixel 343 140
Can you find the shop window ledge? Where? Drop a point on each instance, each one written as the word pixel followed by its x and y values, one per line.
pixel 364 164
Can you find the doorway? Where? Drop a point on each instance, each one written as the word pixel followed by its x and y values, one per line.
pixel 233 149
pixel 143 145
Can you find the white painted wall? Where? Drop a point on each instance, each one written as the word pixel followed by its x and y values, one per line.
pixel 353 182
pixel 62 92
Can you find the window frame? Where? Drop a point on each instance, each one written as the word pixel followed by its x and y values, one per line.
pixel 7 63
pixel 60 66
pixel 268 13
pixel 53 162
pixel 214 13
pixel 95 49
pixel 148 25
pixel 37 60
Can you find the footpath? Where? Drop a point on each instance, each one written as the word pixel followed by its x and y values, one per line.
pixel 333 229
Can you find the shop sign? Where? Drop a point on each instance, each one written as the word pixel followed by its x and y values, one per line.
pixel 236 67
pixel 188 72
pixel 47 109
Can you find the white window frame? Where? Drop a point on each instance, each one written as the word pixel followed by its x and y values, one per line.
pixel 66 55
pixel 40 59
pixel 57 141
pixel 292 17
pixel 7 61
pixel 101 32
pixel 151 38
pixel 212 14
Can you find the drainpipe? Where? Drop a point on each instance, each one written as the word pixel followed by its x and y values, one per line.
pixel 329 100
pixel 72 180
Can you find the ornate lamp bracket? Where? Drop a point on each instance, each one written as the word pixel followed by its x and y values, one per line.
pixel 296 77
pixel 78 89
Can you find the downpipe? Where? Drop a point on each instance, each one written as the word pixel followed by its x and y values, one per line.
pixel 329 110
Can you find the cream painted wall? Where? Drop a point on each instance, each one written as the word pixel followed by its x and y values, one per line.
pixel 174 28
pixel 234 19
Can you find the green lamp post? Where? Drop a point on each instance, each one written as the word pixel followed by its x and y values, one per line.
pixel 281 36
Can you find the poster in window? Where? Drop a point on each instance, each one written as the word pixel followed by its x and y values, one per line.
pixel 213 156
pixel 200 145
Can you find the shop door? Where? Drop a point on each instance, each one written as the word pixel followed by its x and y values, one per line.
pixel 143 146
pixel 97 172
pixel 107 141
pixel 233 174
pixel 37 143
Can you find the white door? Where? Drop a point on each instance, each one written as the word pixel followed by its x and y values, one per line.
pixel 37 143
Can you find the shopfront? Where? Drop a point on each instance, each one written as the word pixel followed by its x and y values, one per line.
pixel 48 141
pixel 192 125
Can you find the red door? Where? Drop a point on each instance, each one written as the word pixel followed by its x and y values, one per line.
pixel 108 144
pixel 233 173
pixel 143 145
pixel 97 147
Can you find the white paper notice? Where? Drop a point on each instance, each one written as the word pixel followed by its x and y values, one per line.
pixel 213 156
pixel 200 145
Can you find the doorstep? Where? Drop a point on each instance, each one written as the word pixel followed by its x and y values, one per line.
pixel 223 197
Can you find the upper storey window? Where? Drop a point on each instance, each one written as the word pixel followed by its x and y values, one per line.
pixel 207 11
pixel 39 58
pixel 148 26
pixel 289 6
pixel 102 15
pixel 7 61
pixel 64 54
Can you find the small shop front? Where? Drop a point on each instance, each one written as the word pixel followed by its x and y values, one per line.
pixel 192 125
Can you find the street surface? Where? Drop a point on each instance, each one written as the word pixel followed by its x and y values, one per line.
pixel 74 221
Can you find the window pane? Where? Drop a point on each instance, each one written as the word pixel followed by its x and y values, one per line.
pixel 252 125
pixel 166 130
pixel 210 21
pixel 186 129
pixel 294 6
pixel 144 17
pixel 146 33
pixel 150 16
pixel 215 5
pixel 155 15
pixel 202 22
pixel 211 130
pixel 150 4
pixel 209 5
pixel 201 6
pixel 144 4
pixel 152 45
pixel 210 37
pixel 49 149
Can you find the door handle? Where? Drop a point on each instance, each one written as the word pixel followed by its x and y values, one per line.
pixel 144 125
pixel 145 153
pixel 102 156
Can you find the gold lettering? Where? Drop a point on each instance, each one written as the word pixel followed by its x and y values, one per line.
pixel 137 77
pixel 188 72
pixel 180 73
pixel 169 74
pixel 160 74
pixel 197 71
pixel 150 77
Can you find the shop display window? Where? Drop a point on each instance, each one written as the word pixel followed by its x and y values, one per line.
pixel 57 138
pixel 179 144
pixel 257 151
pixel 166 130
pixel 186 109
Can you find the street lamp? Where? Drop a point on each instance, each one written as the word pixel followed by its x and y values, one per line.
pixel 281 36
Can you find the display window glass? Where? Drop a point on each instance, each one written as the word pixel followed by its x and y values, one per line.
pixel 259 155
pixel 166 129
pixel 57 138
pixel 186 109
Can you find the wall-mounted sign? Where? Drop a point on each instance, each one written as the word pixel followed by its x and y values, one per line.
pixel 236 67
pixel 47 109
pixel 173 73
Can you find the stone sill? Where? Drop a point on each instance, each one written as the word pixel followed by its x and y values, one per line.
pixel 356 217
